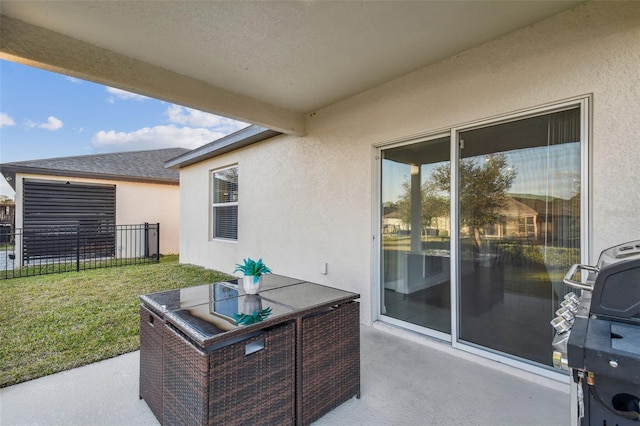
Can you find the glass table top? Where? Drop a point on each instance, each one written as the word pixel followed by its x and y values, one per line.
pixel 209 310
pixel 166 301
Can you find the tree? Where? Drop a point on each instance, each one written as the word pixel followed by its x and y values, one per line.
pixel 434 204
pixel 483 190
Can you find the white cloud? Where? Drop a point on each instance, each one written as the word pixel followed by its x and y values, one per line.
pixel 5 120
pixel 190 129
pixel 154 138
pixel 73 80
pixel 191 117
pixel 124 95
pixel 52 124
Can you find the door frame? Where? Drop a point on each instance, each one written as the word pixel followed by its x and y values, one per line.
pixel 584 102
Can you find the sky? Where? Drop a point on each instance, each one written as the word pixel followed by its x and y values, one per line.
pixel 546 171
pixel 48 115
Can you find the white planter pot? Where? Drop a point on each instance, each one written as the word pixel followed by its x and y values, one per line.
pixel 251 304
pixel 252 283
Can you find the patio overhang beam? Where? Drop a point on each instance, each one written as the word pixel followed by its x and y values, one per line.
pixel 38 47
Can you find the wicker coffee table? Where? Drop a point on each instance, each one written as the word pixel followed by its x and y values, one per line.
pixel 198 366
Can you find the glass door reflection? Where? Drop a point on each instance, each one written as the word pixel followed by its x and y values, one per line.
pixel 416 234
pixel 519 222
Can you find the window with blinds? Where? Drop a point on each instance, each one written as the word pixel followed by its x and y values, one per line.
pixel 224 211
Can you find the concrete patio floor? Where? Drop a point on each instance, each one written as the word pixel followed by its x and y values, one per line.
pixel 406 380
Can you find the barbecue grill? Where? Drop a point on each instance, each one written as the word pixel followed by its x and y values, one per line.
pixel 598 338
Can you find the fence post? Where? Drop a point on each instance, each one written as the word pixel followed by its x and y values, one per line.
pixel 17 247
pixel 78 248
pixel 146 240
pixel 158 242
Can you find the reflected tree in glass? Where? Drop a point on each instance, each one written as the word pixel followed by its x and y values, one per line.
pixel 484 182
pixel 434 203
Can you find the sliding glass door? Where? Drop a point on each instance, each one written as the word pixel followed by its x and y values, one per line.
pixel 519 222
pixel 416 235
pixel 517 211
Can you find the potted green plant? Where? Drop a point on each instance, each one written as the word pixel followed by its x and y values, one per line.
pixel 253 271
pixel 252 311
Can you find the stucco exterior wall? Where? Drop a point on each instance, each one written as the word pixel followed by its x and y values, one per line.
pixel 307 200
pixel 136 203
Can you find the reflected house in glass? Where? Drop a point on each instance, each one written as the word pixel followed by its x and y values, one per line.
pixel 517 220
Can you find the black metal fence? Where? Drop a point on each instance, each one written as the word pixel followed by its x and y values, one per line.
pixel 48 250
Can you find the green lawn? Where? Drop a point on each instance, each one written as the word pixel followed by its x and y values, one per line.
pixel 52 323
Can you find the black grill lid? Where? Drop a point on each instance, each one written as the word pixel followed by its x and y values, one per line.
pixel 621 252
pixel 616 291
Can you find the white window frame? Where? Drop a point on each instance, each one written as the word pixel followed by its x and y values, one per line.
pixel 214 205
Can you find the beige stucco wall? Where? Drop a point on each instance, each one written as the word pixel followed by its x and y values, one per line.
pixel 306 200
pixel 136 203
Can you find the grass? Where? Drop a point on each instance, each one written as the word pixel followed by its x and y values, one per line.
pixel 52 323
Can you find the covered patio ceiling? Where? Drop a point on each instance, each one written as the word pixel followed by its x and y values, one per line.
pixel 265 63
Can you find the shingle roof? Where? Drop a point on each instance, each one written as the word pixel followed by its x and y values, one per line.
pixel 243 137
pixel 138 166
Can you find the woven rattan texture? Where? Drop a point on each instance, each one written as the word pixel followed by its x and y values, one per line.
pixel 256 389
pixel 151 366
pixel 330 360
pixel 227 387
pixel 186 381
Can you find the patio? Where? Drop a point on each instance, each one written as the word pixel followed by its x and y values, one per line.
pixel 405 381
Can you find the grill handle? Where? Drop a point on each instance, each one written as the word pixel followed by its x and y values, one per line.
pixel 576 284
